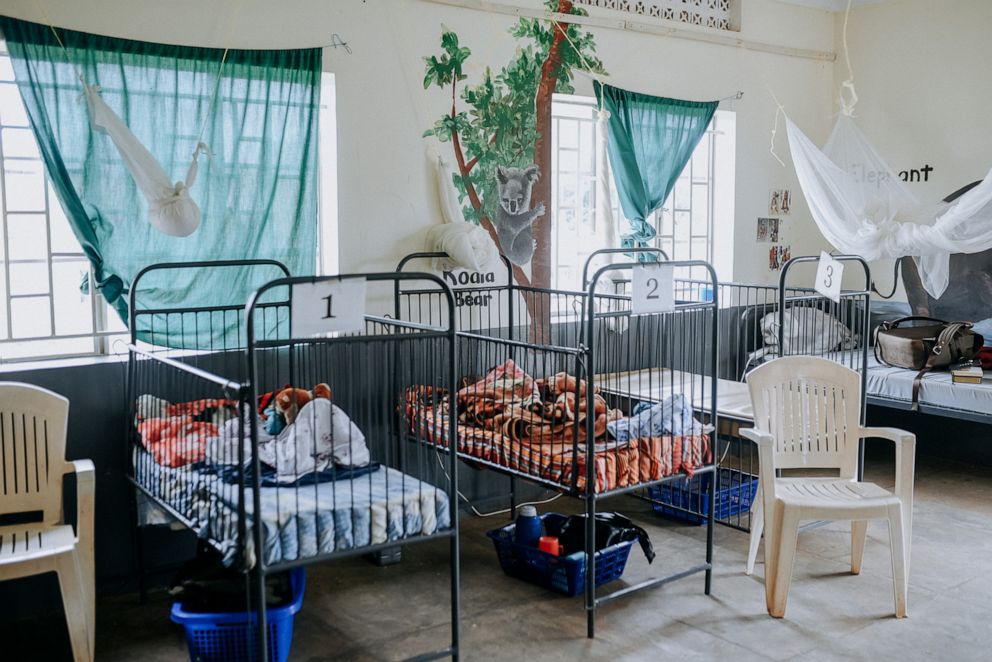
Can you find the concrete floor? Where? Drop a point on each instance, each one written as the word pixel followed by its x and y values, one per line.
pixel 356 611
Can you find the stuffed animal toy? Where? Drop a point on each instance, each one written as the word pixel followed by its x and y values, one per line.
pixel 289 401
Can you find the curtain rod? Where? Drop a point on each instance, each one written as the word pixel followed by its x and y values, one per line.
pixel 655 28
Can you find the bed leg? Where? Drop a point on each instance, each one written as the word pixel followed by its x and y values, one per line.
pixel 262 625
pixel 513 497
pixel 138 549
pixel 455 598
pixel 711 497
pixel 590 567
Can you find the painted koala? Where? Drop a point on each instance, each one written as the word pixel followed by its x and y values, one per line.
pixel 514 216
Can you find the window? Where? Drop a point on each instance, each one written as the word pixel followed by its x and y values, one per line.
pixel 44 311
pixel 701 202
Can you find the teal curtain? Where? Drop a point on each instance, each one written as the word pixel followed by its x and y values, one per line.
pixel 650 141
pixel 257 192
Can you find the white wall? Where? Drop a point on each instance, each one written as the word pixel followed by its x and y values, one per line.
pixel 922 75
pixel 385 194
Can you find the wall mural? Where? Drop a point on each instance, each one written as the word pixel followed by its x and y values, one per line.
pixel 500 132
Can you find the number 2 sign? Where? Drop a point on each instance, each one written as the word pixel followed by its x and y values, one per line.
pixel 829 273
pixel 328 305
pixel 653 289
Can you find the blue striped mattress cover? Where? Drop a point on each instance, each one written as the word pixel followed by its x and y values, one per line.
pixel 383 506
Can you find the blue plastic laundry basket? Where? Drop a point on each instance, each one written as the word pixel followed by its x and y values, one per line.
pixel 564 574
pixel 231 637
pixel 734 493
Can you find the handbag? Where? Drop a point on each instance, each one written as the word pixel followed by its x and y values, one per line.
pixel 923 347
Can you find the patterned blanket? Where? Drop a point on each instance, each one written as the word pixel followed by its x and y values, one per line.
pixel 539 428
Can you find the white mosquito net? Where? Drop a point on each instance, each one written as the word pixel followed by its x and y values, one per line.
pixel 863 208
pixel 170 209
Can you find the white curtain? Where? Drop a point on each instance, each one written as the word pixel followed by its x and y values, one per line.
pixel 862 207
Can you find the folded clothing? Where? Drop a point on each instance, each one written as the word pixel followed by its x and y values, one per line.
pixel 671 416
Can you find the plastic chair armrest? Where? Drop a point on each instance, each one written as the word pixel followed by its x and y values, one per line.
pixel 85 498
pixel 895 435
pixel 760 437
pixel 766 461
pixel 905 443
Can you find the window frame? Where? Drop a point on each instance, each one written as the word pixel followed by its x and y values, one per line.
pixel 108 334
pixel 662 240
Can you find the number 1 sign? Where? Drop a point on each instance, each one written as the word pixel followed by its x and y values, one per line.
pixel 328 305
pixel 654 289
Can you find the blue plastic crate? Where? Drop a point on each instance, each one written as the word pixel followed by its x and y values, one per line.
pixel 734 493
pixel 564 574
pixel 231 637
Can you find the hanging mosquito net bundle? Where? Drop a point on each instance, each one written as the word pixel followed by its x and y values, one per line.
pixel 171 210
pixel 863 208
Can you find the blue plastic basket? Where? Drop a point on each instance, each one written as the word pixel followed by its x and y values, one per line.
pixel 564 574
pixel 231 637
pixel 734 493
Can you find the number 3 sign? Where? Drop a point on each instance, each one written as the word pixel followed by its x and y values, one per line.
pixel 328 305
pixel 654 289
pixel 829 273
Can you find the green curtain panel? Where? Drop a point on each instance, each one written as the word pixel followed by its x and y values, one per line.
pixel 650 141
pixel 257 192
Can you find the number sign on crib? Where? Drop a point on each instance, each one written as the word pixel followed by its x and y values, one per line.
pixel 829 273
pixel 653 289
pixel 328 306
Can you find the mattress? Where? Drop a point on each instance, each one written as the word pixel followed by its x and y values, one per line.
pixel 893 387
pixel 732 400
pixel 888 386
pixel 385 505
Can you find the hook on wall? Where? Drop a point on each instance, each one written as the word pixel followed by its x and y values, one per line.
pixel 338 42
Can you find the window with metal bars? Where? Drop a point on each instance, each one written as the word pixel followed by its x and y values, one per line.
pixel 48 305
pixel 685 223
pixel 43 310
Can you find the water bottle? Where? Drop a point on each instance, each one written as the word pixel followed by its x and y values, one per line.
pixel 528 528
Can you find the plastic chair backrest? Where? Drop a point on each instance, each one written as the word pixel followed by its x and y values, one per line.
pixel 811 406
pixel 32 450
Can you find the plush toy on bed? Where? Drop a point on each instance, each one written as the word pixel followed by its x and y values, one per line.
pixel 287 404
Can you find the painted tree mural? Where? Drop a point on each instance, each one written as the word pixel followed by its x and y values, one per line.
pixel 508 123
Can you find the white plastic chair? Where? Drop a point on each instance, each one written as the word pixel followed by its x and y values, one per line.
pixel 32 464
pixel 807 416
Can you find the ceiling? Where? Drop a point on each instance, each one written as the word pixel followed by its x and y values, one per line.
pixel 832 5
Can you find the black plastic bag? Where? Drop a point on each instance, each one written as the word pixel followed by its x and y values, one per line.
pixel 611 528
pixel 203 585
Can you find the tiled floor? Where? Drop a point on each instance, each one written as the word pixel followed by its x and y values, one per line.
pixel 354 610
